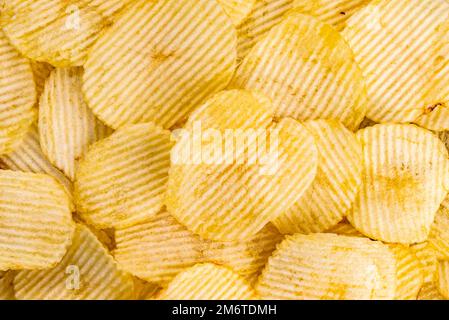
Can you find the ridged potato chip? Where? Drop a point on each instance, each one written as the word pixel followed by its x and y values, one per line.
pixel 122 179
pixel 41 71
pixel 58 32
pixel 328 266
pixel 170 68
pixel 405 179
pixel 17 96
pixel 430 292
pixel 36 223
pixel 428 257
pixel 237 10
pixel 66 126
pixel 308 70
pixel 228 202
pixel 335 186
pixel 87 272
pixel 28 157
pixel 158 249
pixel 409 272
pixel 6 287
pixel 402 49
pixel 109 8
pixel 208 282
pixel 439 233
pixel 443 278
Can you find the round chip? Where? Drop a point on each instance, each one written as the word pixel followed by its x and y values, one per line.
pixel 36 223
pixel 335 186
pixel 66 126
pixel 409 273
pixel 228 202
pixel 6 287
pixel 443 278
pixel 59 32
pixel 176 54
pixel 308 70
pixel 401 47
pixel 237 10
pixel 122 179
pixel 208 282
pixel 405 179
pixel 87 272
pixel 439 233
pixel 158 249
pixel 17 96
pixel 328 267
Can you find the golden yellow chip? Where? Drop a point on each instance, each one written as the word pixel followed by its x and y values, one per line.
pixel 443 278
pixel 176 54
pixel 109 8
pixel 402 49
pixel 28 157
pixel 6 287
pixel 17 96
pixel 122 179
pixel 335 186
pixel 66 126
pixel 228 202
pixel 328 266
pixel 55 31
pixel 158 249
pixel 87 272
pixel 208 282
pixel 428 257
pixel 36 224
pixel 439 233
pixel 237 10
pixel 41 71
pixel 430 292
pixel 409 272
pixel 308 70
pixel 405 179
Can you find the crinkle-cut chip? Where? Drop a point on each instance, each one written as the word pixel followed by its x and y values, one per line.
pixel 367 123
pixel 336 184
pixel 36 223
pixel 28 157
pixel 17 96
pixel 401 47
pixel 409 272
pixel 158 249
pixel 229 202
pixel 237 10
pixel 328 267
pixel 405 179
pixel 308 70
pixel 109 8
pixel 122 179
pixel 145 290
pixel 66 125
pixel 429 291
pixel 439 233
pixel 176 53
pixel 344 228
pixel 443 278
pixel 428 257
pixel 87 272
pixel 208 282
pixel 41 71
pixel 58 32
pixel 6 287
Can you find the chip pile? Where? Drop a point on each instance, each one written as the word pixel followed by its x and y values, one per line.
pixel 224 149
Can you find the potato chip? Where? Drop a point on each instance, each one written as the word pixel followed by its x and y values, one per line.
pixel 335 186
pixel 237 10
pixel 328 266
pixel 6 287
pixel 41 71
pixel 28 157
pixel 55 31
pixel 402 49
pixel 308 70
pixel 430 292
pixel 228 202
pixel 406 177
pixel 428 257
pixel 158 249
pixel 169 68
pixel 109 8
pixel 122 179
pixel 17 96
pixel 443 278
pixel 409 272
pixel 87 272
pixel 208 282
pixel 66 126
pixel 439 233
pixel 36 224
